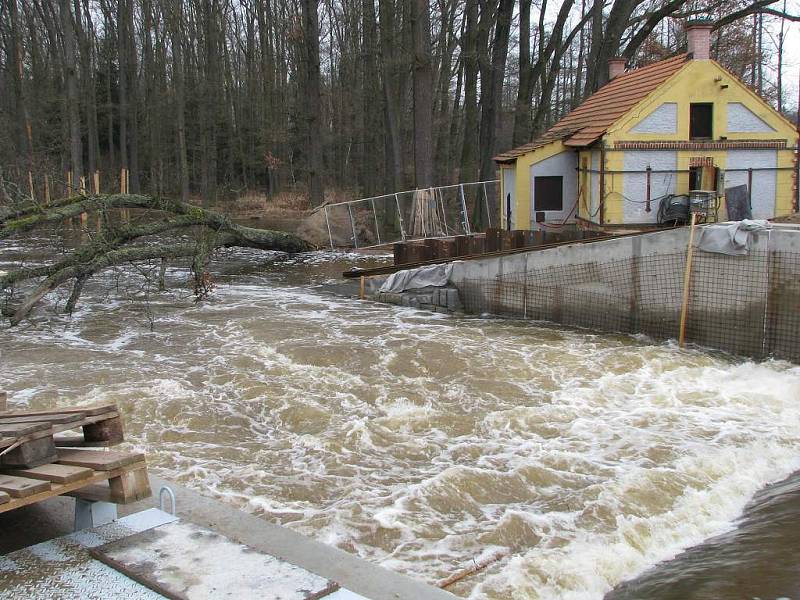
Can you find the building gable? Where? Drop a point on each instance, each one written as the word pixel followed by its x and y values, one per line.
pixel 738 113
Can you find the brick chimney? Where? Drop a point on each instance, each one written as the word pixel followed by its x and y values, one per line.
pixel 616 67
pixel 698 38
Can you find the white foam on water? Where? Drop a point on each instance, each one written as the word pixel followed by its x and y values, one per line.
pixel 421 441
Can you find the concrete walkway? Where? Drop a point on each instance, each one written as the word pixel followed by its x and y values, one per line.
pixel 52 518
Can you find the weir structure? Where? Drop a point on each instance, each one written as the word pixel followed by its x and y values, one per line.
pixel 747 305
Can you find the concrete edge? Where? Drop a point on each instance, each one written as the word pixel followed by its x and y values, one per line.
pixel 349 571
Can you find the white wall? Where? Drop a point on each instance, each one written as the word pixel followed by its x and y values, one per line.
pixel 509 187
pixel 634 188
pixel 743 120
pixel 564 164
pixel 663 119
pixel 764 182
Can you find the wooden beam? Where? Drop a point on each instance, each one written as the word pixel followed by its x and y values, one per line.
pixel 88 410
pixel 98 460
pixel 67 488
pixel 22 487
pixel 55 473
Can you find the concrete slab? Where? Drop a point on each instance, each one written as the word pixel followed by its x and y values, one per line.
pixel 351 572
pixel 187 561
pixel 63 568
pixel 54 517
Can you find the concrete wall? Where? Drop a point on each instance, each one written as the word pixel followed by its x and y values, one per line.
pixel 745 305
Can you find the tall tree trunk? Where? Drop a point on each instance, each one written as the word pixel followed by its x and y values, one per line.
pixel 371 107
pixel 180 98
pixel 313 104
pixel 25 137
pixel 491 98
pixel 133 93
pixel 423 95
pixel 522 109
pixel 469 51
pixel 122 43
pixel 73 101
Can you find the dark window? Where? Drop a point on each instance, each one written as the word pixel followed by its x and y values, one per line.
pixel 701 117
pixel 695 178
pixel 548 193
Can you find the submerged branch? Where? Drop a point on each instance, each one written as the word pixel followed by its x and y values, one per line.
pixel 112 246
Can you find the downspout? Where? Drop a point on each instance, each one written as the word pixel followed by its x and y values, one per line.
pixel 796 207
pixel 602 207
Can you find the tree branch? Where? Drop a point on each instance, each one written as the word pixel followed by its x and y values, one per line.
pixel 110 247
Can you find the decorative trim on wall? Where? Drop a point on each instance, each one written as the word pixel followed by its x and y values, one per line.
pixel 720 145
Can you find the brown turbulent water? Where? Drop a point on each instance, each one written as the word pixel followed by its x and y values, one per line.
pixel 422 442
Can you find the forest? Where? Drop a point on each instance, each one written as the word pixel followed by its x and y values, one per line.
pixel 213 99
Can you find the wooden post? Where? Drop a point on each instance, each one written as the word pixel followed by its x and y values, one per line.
pixel 122 180
pixel 127 181
pixel 109 431
pixel 97 183
pixel 687 277
pixel 30 185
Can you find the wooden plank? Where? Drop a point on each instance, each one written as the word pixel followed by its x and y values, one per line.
pixel 98 460
pixel 23 429
pixel 55 473
pixel 78 441
pixel 30 453
pixel 22 487
pixel 61 489
pixel 88 410
pixel 53 419
pixel 4 498
pixel 58 428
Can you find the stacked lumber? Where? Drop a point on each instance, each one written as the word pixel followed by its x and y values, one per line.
pixel 37 462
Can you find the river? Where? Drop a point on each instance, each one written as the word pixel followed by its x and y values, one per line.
pixel 423 442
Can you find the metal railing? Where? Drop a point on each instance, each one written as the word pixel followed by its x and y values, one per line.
pixel 436 212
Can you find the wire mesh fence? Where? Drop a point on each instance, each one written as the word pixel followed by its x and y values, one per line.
pixel 746 305
pixel 415 214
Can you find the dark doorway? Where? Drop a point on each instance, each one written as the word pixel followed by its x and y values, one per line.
pixel 701 121
pixel 548 193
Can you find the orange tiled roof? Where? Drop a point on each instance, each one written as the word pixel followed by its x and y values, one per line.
pixel 587 123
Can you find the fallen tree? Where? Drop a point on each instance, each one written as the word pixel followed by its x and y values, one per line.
pixel 119 243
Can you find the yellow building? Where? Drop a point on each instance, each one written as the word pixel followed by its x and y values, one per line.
pixel 647 136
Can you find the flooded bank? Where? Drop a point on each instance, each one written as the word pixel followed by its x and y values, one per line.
pixel 421 441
